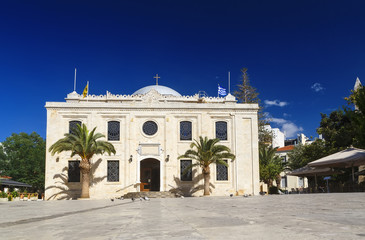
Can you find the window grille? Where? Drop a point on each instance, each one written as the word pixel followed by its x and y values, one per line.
pixel 73 171
pixel 150 128
pixel 221 130
pixel 113 131
pixel 185 130
pixel 73 125
pixel 113 171
pixel 188 176
pixel 222 172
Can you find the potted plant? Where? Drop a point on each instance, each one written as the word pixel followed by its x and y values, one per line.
pixel 25 195
pixel 15 195
pixel 34 196
pixel 3 197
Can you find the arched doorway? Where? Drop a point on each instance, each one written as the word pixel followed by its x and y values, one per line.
pixel 150 174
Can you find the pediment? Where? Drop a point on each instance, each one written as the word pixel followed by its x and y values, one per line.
pixel 152 96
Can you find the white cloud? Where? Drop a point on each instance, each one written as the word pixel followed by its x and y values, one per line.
pixel 317 87
pixel 275 103
pixel 289 128
pixel 279 121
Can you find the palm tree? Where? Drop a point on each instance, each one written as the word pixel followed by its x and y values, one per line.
pixel 270 165
pixel 207 152
pixel 85 144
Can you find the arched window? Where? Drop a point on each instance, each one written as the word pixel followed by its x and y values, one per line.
pixel 221 130
pixel 73 125
pixel 185 130
pixel 113 131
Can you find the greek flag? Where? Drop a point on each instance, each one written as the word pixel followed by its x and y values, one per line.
pixel 221 91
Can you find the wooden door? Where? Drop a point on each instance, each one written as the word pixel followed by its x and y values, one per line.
pixel 146 175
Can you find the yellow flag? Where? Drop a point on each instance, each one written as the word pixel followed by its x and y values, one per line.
pixel 84 93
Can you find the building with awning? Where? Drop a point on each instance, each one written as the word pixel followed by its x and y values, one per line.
pixel 350 157
pixel 6 182
pixel 308 171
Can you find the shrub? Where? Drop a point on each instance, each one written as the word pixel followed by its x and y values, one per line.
pixel 15 194
pixel 10 198
pixel 3 195
pixel 273 190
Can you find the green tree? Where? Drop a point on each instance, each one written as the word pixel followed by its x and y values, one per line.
pixel 337 129
pixel 270 165
pixel 357 116
pixel 248 94
pixel 295 159
pixel 4 163
pixel 22 157
pixel 304 154
pixel 85 144
pixel 204 153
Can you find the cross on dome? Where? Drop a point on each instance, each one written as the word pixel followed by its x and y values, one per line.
pixel 157 77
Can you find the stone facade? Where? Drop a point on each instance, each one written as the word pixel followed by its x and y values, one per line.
pixel 137 151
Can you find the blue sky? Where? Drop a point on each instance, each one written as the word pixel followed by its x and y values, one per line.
pixel 302 56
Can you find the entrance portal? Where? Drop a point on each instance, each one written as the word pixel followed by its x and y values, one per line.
pixel 150 175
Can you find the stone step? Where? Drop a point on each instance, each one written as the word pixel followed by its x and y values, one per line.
pixel 150 195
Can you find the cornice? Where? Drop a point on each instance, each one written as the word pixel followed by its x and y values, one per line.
pixel 105 110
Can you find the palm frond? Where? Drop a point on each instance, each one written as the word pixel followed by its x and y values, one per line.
pixel 82 142
pixel 207 151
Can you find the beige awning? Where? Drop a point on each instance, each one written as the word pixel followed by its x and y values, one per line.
pixel 311 171
pixel 350 157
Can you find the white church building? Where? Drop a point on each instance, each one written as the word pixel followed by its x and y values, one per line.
pixel 150 129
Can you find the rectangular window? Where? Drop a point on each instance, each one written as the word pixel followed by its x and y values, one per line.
pixel 188 176
pixel 284 182
pixel 283 159
pixel 222 172
pixel 73 171
pixel 113 171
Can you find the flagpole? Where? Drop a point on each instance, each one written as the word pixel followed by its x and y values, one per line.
pixel 75 81
pixel 218 90
pixel 229 82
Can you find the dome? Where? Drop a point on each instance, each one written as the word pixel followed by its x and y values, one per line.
pixel 160 89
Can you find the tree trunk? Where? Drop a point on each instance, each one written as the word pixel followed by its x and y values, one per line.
pixel 269 183
pixel 85 171
pixel 278 181
pixel 206 174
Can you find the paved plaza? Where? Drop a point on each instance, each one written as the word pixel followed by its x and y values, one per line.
pixel 305 216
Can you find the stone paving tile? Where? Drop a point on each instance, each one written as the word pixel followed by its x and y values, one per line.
pixel 307 216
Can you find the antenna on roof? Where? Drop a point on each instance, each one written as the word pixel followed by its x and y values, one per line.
pixel 202 94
